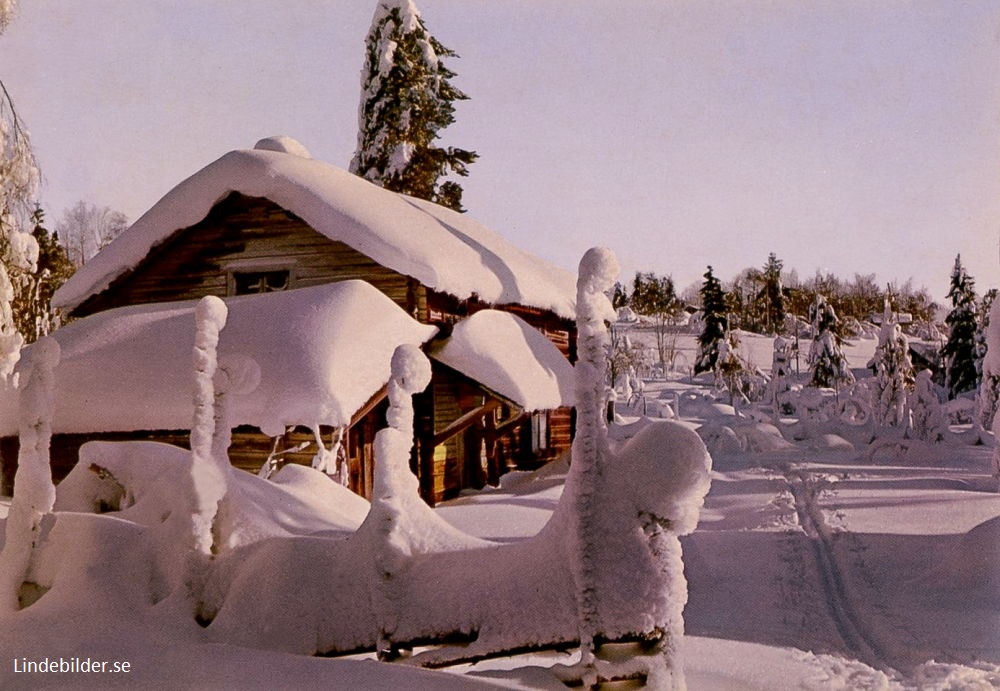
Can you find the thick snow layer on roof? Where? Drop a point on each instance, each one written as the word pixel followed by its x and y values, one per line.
pixel 510 357
pixel 443 249
pixel 322 351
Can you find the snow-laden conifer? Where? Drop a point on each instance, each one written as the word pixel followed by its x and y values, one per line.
pixel 991 374
pixel 829 366
pixel 926 417
pixel 960 350
pixel 772 294
pixel 893 373
pixel 987 368
pixel 406 99
pixel 781 372
pixel 34 491
pixel 716 323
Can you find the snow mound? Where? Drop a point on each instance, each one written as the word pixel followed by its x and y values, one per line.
pixel 282 144
pixel 761 437
pixel 973 566
pixel 940 676
pixel 510 357
pixel 749 437
pixel 113 362
pixel 719 439
pixel 668 470
pixel 829 442
pixel 142 482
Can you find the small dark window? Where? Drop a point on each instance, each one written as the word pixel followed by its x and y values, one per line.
pixel 250 282
pixel 540 432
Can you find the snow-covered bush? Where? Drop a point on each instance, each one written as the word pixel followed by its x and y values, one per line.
pixel 926 416
pixel 893 373
pixel 781 372
pixel 829 366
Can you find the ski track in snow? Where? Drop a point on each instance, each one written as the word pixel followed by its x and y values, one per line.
pixel 806 488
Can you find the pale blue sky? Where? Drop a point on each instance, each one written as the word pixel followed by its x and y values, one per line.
pixel 854 136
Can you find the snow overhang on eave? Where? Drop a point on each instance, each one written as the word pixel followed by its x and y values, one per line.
pixel 508 356
pixel 323 352
pixel 442 249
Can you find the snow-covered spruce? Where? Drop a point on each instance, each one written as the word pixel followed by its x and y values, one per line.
pixel 35 492
pixel 406 99
pixel 960 350
pixel 926 417
pixel 893 373
pixel 716 323
pixel 991 373
pixel 988 396
pixel 829 366
pixel 781 371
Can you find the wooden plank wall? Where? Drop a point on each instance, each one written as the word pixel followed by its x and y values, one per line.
pixel 244 233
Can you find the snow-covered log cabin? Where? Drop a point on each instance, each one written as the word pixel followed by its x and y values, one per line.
pixel 496 321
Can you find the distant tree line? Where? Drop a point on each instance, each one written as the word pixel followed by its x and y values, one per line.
pixel 769 300
pixel 763 299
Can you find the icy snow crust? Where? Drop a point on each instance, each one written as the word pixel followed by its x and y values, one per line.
pixel 443 249
pixel 129 368
pixel 512 358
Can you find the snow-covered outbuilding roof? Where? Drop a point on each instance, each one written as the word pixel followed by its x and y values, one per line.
pixel 510 357
pixel 442 249
pixel 131 368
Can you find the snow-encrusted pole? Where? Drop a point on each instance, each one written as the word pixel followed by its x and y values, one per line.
pixel 597 273
pixel 396 491
pixel 34 494
pixel 209 476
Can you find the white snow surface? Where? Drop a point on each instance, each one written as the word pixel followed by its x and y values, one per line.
pixel 443 249
pixel 130 368
pixel 509 356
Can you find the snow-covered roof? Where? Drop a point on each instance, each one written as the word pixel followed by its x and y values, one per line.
pixel 131 368
pixel 444 250
pixel 510 357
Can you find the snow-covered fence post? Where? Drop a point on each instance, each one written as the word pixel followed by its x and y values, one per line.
pixel 208 474
pixel 597 273
pixel 396 489
pixel 34 493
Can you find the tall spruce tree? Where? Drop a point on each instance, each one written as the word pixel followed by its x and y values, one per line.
pixel 406 99
pixel 960 350
pixel 773 295
pixel 716 323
